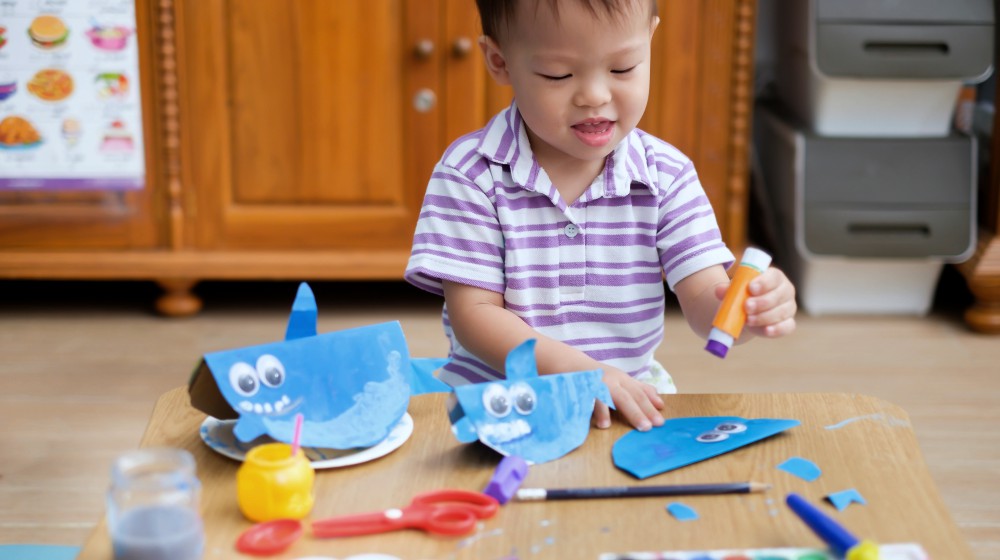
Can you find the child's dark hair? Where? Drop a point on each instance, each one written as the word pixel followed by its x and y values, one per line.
pixel 496 15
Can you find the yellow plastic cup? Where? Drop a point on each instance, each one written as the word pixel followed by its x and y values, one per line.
pixel 272 484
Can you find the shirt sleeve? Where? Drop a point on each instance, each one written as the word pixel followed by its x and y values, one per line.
pixel 688 237
pixel 458 236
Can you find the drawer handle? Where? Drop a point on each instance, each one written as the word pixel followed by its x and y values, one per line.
pixel 921 230
pixel 886 48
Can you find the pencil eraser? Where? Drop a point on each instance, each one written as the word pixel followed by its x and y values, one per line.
pixel 507 479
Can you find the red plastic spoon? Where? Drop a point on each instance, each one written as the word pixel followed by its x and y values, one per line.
pixel 270 537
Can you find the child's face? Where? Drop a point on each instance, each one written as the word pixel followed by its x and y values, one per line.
pixel 581 80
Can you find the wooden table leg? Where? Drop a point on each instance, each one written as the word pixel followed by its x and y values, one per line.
pixel 179 300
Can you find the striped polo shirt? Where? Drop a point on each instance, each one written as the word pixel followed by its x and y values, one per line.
pixel 589 273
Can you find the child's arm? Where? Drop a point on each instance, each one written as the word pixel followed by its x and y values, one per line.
pixel 770 308
pixel 488 330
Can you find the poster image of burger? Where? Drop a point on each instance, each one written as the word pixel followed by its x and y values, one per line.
pixel 48 32
pixel 3 36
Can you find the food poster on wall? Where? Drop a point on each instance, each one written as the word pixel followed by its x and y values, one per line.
pixel 70 109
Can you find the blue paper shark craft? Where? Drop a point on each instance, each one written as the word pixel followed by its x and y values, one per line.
pixel 537 418
pixel 350 386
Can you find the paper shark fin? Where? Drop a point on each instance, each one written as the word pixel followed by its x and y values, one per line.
pixel 302 320
pixel 521 361
pixel 461 425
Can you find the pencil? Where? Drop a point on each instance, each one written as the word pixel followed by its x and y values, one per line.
pixel 538 494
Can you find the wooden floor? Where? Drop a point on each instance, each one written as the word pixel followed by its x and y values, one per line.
pixel 82 363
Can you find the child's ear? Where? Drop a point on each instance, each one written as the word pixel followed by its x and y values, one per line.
pixel 496 64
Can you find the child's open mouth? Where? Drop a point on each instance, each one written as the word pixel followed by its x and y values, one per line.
pixel 594 132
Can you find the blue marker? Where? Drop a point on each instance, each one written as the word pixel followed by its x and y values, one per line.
pixel 841 542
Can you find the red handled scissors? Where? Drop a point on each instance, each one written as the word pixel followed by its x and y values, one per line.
pixel 442 512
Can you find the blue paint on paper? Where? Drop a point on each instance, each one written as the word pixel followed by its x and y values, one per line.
pixel 682 441
pixel 802 468
pixel 682 512
pixel 350 386
pixel 538 418
pixel 844 498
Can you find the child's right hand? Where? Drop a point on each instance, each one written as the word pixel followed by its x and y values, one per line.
pixel 638 402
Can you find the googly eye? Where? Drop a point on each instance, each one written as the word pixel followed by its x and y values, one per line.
pixel 496 400
pixel 270 370
pixel 243 379
pixel 524 398
pixel 731 427
pixel 711 437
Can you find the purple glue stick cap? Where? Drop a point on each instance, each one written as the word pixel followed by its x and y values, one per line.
pixel 717 348
pixel 507 479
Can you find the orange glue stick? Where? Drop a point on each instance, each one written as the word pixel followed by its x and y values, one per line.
pixel 732 314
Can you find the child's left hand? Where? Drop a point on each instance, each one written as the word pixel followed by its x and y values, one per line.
pixel 771 306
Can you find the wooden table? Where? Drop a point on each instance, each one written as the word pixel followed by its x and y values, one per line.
pixel 874 451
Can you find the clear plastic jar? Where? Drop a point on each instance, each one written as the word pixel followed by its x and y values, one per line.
pixel 153 506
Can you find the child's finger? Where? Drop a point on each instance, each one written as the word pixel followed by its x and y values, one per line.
pixel 782 328
pixel 602 415
pixel 632 411
pixel 768 281
pixel 653 396
pixel 720 291
pixel 647 408
pixel 772 315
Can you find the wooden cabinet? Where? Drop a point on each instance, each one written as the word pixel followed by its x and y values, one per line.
pixel 293 140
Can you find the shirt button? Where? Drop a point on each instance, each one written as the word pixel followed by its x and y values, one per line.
pixel 571 230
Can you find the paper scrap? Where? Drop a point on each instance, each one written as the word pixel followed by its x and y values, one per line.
pixel 844 498
pixel 682 512
pixel 802 468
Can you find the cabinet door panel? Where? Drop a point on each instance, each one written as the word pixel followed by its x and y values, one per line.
pixel 308 127
pixel 316 102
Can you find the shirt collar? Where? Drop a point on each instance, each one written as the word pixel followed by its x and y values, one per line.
pixel 506 142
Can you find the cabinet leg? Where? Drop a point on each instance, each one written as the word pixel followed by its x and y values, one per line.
pixel 982 273
pixel 179 300
pixel 984 315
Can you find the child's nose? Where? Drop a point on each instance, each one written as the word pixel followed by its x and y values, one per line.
pixel 592 93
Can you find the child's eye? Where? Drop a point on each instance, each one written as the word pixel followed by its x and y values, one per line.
pixel 625 71
pixel 555 78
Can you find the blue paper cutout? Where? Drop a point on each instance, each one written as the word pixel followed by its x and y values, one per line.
pixel 844 498
pixel 422 379
pixel 802 468
pixel 350 386
pixel 682 441
pixel 682 512
pixel 538 418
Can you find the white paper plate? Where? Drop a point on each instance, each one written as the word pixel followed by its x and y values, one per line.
pixel 218 435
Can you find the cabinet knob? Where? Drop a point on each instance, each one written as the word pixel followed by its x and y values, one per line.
pixel 461 47
pixel 424 48
pixel 424 100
